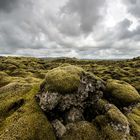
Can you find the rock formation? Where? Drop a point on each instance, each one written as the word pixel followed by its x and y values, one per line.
pixel 82 106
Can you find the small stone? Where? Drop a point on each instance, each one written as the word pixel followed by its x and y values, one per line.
pixel 48 100
pixel 108 106
pixel 59 128
pixel 74 115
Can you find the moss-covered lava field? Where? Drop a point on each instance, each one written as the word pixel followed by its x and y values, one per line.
pixel 69 99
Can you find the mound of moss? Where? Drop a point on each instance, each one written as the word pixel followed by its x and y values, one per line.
pixel 134 120
pixel 113 124
pixel 121 92
pixel 64 79
pixel 20 116
pixel 81 131
pixel 4 78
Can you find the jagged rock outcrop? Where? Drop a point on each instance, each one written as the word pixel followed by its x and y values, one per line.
pixel 81 106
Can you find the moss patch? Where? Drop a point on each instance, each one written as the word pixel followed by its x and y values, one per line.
pixel 108 132
pixel 122 92
pixel 64 79
pixel 20 116
pixel 4 79
pixel 134 120
pixel 82 131
pixel 115 115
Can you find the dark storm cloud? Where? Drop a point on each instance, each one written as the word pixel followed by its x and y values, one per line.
pixel 124 33
pixel 89 12
pixel 7 5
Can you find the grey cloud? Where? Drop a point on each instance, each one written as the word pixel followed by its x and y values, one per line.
pixel 7 5
pixel 123 31
pixel 89 12
pixel 47 28
pixel 69 25
pixel 133 7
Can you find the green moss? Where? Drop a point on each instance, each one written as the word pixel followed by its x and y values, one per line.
pixel 136 111
pixel 110 133
pixel 13 90
pixel 28 122
pixel 20 73
pixel 64 79
pixel 100 121
pixel 135 128
pixel 100 106
pixel 122 92
pixel 107 124
pixel 106 131
pixel 82 131
pixel 20 116
pixel 134 120
pixel 115 115
pixel 4 79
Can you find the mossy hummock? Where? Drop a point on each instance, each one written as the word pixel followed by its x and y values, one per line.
pixel 121 92
pixel 64 79
pixel 20 116
pixel 81 131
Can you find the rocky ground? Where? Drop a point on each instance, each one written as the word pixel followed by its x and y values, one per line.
pixel 68 99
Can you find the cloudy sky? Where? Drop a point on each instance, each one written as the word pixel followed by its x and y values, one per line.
pixel 71 28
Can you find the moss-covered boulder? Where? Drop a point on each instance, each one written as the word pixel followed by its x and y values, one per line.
pixel 113 125
pixel 64 79
pixel 20 116
pixel 121 92
pixel 134 120
pixel 81 131
pixel 68 95
pixel 116 116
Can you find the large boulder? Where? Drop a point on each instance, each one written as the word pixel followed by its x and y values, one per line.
pixel 121 92
pixel 112 124
pixel 64 79
pixel 68 95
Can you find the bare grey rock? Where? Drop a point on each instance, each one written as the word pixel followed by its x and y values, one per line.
pixel 67 102
pixel 74 115
pixel 48 100
pixel 59 128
